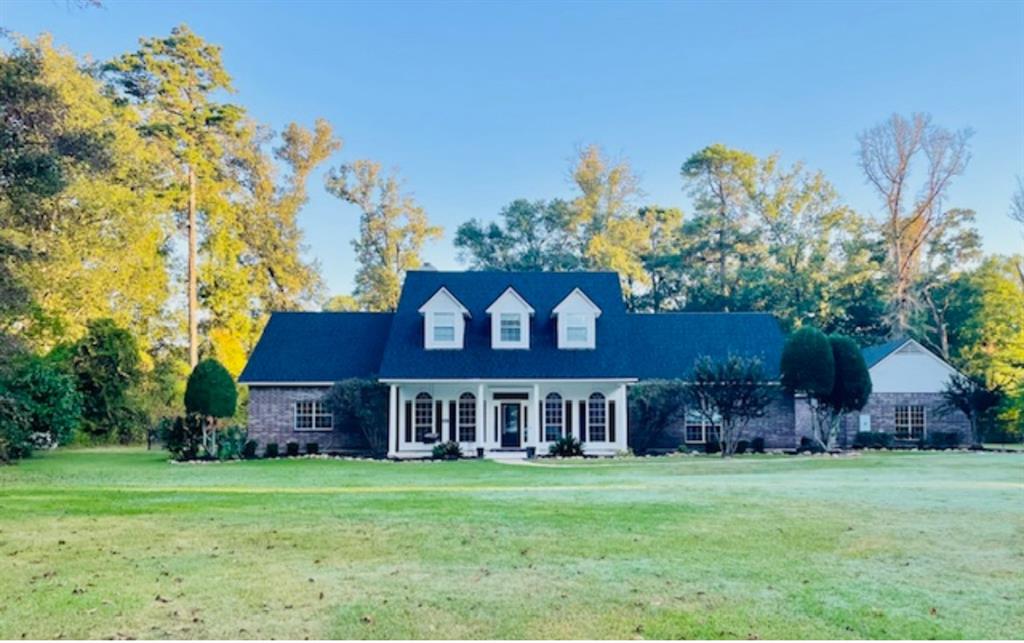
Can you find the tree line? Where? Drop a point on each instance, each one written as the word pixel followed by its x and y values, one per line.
pixel 137 196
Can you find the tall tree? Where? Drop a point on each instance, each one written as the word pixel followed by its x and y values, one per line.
pixel 392 230
pixel 953 249
pixel 82 234
pixel 175 80
pixel 892 154
pixel 722 243
pixel 607 190
pixel 529 235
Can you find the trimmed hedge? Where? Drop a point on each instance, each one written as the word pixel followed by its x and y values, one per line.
pixel 872 440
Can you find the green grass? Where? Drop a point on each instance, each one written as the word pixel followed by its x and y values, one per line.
pixel 119 543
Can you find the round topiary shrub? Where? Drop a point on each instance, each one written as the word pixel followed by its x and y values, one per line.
pixel 211 391
pixel 807 363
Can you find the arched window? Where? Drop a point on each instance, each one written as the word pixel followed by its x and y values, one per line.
pixel 597 418
pixel 423 419
pixel 467 417
pixel 553 413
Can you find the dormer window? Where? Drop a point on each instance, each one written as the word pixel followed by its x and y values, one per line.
pixel 444 327
pixel 444 321
pixel 577 329
pixel 511 327
pixel 577 321
pixel 510 321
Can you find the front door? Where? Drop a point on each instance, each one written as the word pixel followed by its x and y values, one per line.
pixel 511 425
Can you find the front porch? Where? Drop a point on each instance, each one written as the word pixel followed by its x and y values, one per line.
pixel 506 418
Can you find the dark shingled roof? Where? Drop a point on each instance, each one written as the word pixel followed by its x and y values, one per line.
pixel 406 358
pixel 318 347
pixel 665 345
pixel 326 347
pixel 875 354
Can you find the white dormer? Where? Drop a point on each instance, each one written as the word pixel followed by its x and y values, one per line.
pixel 510 320
pixel 577 321
pixel 444 321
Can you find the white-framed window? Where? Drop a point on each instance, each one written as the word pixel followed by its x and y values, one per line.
pixel 444 327
pixel 597 418
pixel 699 430
pixel 423 416
pixel 554 413
pixel 910 422
pixel 312 415
pixel 577 329
pixel 511 329
pixel 467 417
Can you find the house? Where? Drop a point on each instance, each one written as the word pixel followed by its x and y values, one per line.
pixel 907 381
pixel 500 362
pixel 508 362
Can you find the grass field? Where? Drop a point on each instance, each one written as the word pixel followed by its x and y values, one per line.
pixel 119 543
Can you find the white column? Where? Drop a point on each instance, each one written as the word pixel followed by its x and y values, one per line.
pixel 535 413
pixel 621 419
pixel 481 417
pixel 394 411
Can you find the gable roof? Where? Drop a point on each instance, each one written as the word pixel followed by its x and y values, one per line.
pixel 878 352
pixel 406 358
pixel 324 347
pixel 510 292
pixel 318 347
pixel 575 294
pixel 666 345
pixel 442 292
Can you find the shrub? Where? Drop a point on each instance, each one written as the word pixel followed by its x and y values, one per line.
pixel 566 447
pixel 807 445
pixel 312 448
pixel 446 451
pixel 291 449
pixel 230 442
pixel 872 440
pixel 211 391
pixel 713 446
pixel 249 450
pixel 48 398
pixel 108 375
pixel 757 445
pixel 14 429
pixel 182 436
pixel 271 450
pixel 943 439
pixel 742 446
pixel 363 405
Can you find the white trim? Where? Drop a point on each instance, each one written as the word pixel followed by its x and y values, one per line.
pixel 923 348
pixel 597 311
pixel 285 383
pixel 454 299
pixel 522 301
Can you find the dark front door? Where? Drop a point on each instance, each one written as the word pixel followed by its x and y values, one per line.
pixel 510 425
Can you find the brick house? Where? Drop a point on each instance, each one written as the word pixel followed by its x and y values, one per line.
pixel 502 363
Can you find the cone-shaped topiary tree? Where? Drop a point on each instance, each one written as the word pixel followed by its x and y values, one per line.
pixel 211 394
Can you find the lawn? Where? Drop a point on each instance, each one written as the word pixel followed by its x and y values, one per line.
pixel 119 543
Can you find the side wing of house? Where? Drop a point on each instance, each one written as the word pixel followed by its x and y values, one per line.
pixel 907 382
pixel 298 358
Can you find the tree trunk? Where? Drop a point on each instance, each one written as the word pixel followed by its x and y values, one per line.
pixel 193 298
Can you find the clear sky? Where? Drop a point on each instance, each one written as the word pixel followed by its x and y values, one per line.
pixel 479 104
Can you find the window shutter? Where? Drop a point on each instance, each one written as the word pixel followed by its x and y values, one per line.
pixel 453 429
pixel 583 420
pixel 611 421
pixel 408 421
pixel 438 427
pixel 495 423
pixel 568 419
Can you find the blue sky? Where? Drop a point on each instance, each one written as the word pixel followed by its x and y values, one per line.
pixel 479 104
